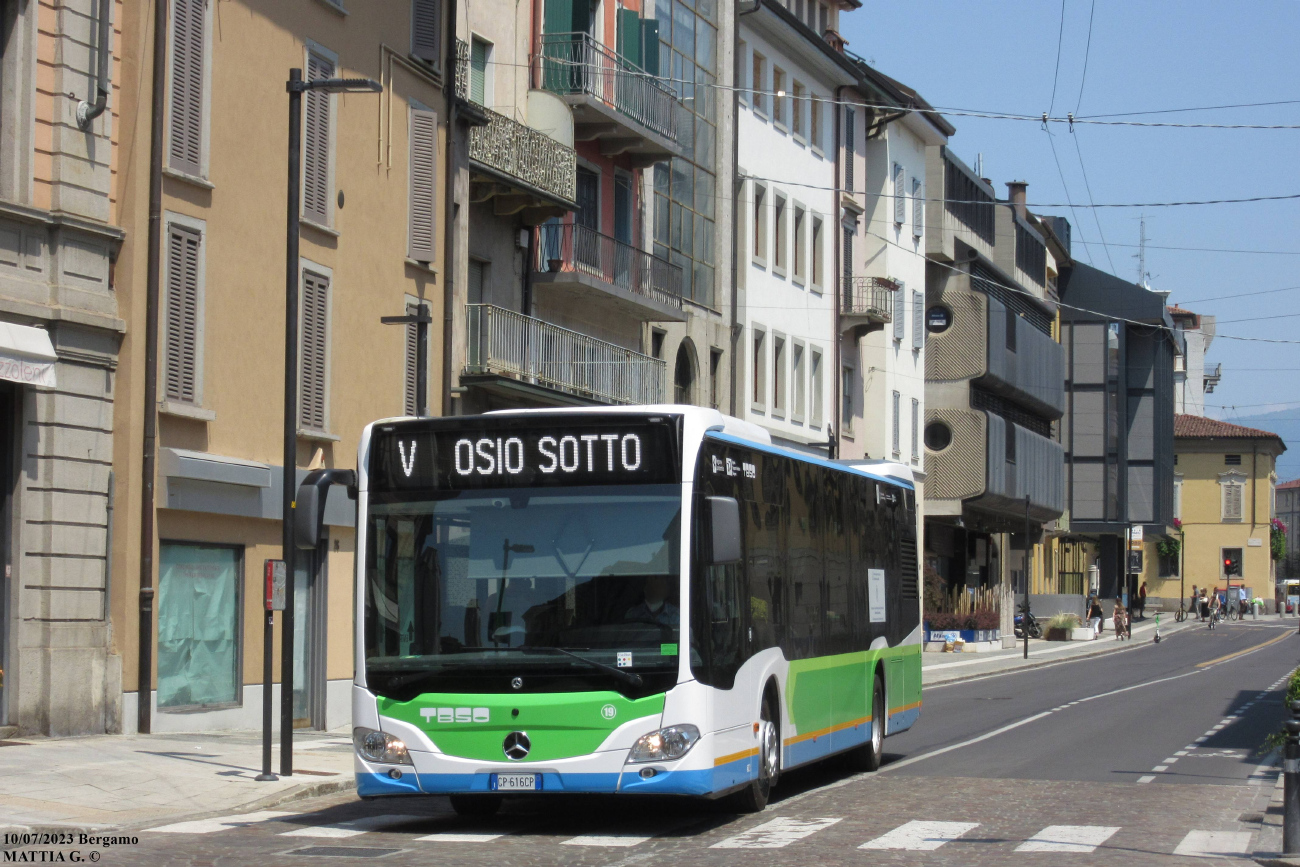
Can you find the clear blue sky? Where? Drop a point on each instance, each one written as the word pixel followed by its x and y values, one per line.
pixel 1145 55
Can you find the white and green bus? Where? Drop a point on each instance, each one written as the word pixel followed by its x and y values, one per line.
pixel 639 599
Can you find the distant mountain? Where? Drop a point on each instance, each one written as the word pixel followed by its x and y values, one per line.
pixel 1286 424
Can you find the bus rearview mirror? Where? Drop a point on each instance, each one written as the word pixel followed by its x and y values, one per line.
pixel 309 506
pixel 724 530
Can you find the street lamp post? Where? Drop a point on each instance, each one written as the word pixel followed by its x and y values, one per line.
pixel 1026 576
pixel 296 87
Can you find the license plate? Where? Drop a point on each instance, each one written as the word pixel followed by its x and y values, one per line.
pixel 516 782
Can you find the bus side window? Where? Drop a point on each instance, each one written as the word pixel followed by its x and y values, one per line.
pixel 763 562
pixel 725 628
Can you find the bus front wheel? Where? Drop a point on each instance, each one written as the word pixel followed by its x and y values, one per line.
pixel 753 798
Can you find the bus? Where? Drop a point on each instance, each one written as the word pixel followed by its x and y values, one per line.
pixel 640 600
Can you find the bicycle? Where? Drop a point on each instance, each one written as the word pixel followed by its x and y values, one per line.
pixel 1181 614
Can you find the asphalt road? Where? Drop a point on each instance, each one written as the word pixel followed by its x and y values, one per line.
pixel 1145 756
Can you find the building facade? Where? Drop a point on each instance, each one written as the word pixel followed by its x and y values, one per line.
pixel 1193 379
pixel 373 232
pixel 1227 478
pixel 1120 349
pixel 61 330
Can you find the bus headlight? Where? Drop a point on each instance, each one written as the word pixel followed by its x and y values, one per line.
pixel 665 744
pixel 380 747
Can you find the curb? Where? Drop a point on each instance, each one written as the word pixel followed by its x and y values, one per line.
pixel 300 792
pixel 1022 665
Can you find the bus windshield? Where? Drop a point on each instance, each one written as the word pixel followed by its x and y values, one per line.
pixel 464 588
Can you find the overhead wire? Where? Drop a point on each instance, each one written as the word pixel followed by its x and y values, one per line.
pixel 1060 35
pixel 1086 52
pixel 1096 217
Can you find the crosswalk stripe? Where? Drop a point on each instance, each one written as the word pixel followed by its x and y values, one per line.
pixel 342 830
pixel 1214 844
pixel 920 836
pixel 221 823
pixel 616 840
pixel 1068 838
pixel 775 834
pixel 453 837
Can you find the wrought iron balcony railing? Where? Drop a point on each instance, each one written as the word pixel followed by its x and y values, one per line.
pixel 869 296
pixel 505 342
pixel 576 63
pixel 524 153
pixel 462 69
pixel 571 247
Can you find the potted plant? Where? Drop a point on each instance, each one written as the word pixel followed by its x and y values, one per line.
pixel 1061 625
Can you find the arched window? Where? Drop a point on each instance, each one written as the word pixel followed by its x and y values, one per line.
pixel 684 375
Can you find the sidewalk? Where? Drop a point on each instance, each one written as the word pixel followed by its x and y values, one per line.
pixel 126 781
pixel 937 668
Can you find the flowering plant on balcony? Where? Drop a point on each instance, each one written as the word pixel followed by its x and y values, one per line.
pixel 1277 538
pixel 1178 523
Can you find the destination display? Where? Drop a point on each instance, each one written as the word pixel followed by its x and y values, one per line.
pixel 517 452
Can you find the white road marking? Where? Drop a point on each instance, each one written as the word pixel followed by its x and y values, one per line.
pixel 622 840
pixel 221 823
pixel 1068 838
pixel 1171 760
pixel 1181 753
pixel 452 837
pixel 342 830
pixel 920 836
pixel 1145 779
pixel 1214 844
pixel 775 834
pixel 1160 769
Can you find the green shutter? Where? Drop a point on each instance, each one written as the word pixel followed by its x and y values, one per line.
pixel 558 16
pixel 650 45
pixel 478 71
pixel 629 37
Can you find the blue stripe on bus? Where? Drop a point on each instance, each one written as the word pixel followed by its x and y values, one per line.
pixel 903 720
pixel 803 456
pixel 371 785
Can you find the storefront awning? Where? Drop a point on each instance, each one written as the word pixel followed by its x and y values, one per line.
pixel 26 355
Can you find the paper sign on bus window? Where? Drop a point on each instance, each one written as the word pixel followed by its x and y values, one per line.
pixel 876 595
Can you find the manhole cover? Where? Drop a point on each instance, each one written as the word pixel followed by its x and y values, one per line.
pixel 343 851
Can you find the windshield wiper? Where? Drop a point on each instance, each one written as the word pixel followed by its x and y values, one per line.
pixel 632 680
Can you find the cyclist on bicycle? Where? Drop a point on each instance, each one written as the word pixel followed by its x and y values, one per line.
pixel 1216 608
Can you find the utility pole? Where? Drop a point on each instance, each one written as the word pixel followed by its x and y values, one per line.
pixel 1026 629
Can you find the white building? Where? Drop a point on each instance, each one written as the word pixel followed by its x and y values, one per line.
pixel 1192 382
pixel 882 320
pixel 786 233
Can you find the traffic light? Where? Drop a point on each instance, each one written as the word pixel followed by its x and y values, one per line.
pixel 1232 562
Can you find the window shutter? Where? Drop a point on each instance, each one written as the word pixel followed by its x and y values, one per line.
pixel 424 159
pixel 900 200
pixel 918 209
pixel 1232 502
pixel 629 36
pixel 478 51
pixel 187 86
pixel 316 145
pixel 900 312
pixel 315 344
pixel 426 28
pixel 474 286
pixel 182 313
pixel 916 429
pixel 650 47
pixel 898 398
pixel 918 320
pixel 412 359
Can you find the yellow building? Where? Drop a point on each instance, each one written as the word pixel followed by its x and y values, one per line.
pixel 1224 482
pixel 372 226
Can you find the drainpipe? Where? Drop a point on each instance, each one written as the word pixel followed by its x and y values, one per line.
pixel 144 674
pixel 738 184
pixel 449 221
pixel 88 111
pixel 837 380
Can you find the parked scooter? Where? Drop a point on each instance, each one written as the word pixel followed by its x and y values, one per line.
pixel 1034 628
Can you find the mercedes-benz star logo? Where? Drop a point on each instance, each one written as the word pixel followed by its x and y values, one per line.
pixel 516 746
pixel 517 683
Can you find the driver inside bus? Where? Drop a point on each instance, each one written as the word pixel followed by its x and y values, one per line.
pixel 655 607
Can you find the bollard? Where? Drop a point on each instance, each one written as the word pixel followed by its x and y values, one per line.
pixel 1291 784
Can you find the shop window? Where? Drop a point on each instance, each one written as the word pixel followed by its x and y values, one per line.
pixel 198 625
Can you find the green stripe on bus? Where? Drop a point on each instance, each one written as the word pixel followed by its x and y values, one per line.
pixel 828 692
pixel 559 725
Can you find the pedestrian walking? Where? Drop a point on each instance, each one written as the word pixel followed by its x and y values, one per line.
pixel 1203 605
pixel 1142 601
pixel 1243 599
pixel 1194 607
pixel 1120 620
pixel 1094 616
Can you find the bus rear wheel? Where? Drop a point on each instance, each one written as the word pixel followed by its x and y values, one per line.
pixel 753 798
pixel 480 806
pixel 869 756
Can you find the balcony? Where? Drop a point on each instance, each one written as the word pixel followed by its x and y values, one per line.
pixel 966 212
pixel 518 167
pixel 867 304
pixel 510 352
pixel 581 264
pixel 629 111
